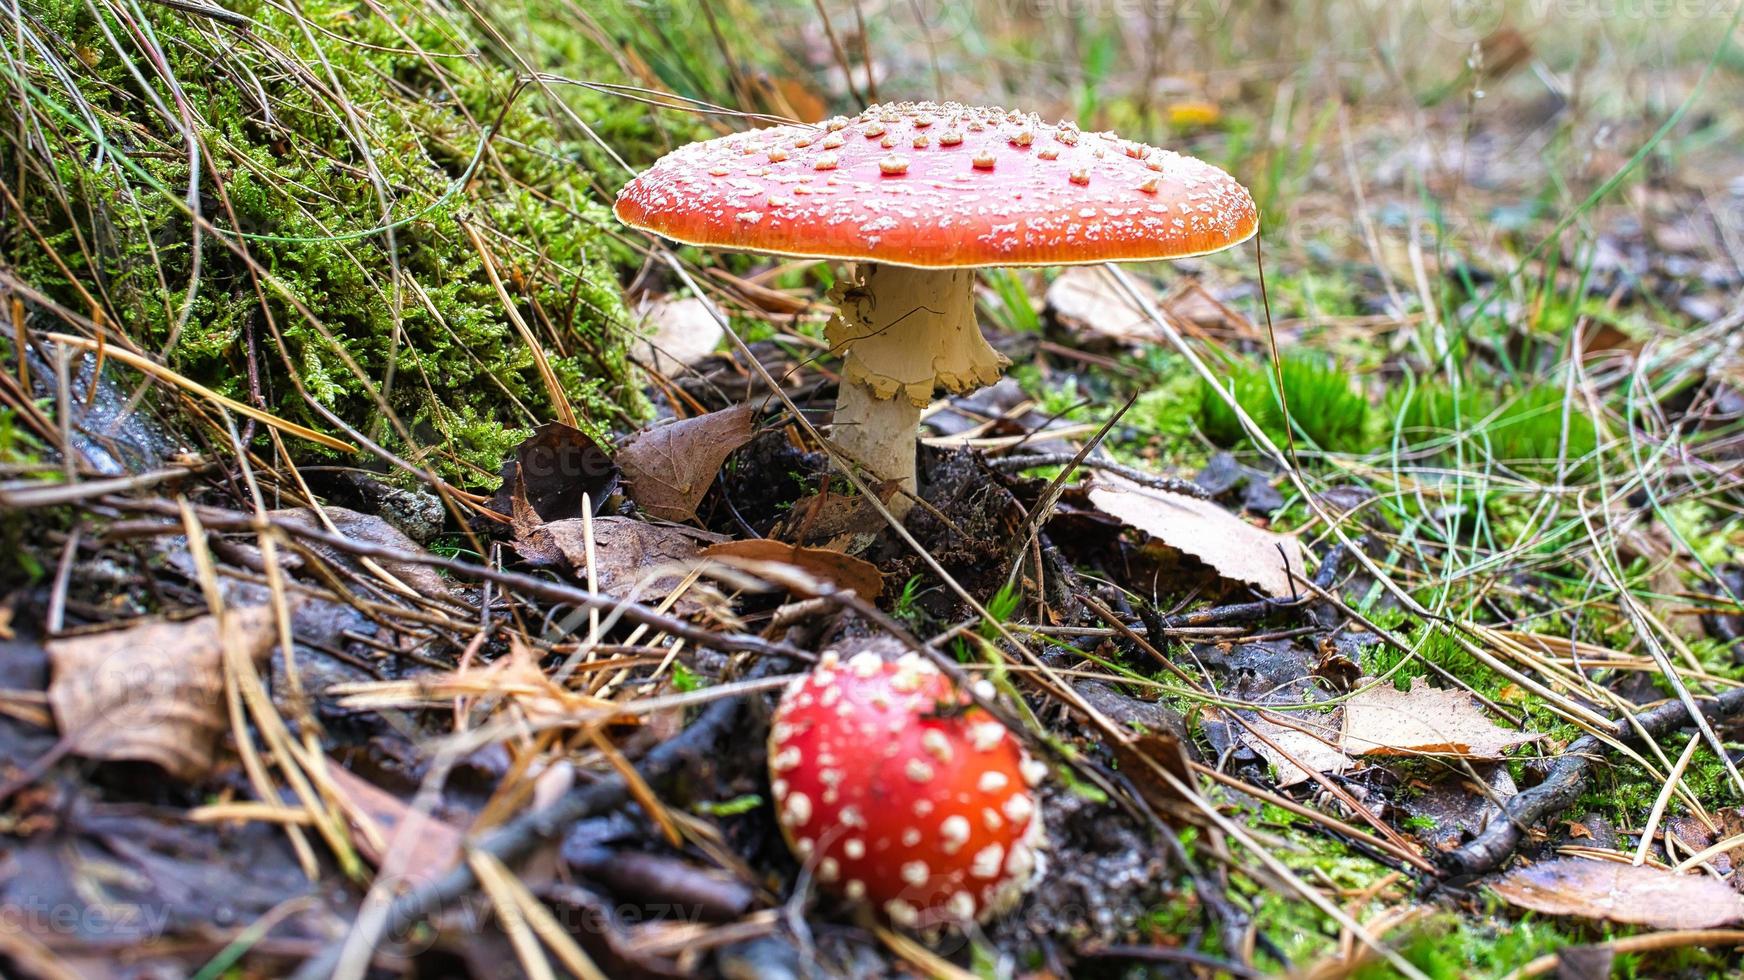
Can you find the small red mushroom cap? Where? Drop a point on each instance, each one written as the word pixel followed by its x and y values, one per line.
pixel 898 794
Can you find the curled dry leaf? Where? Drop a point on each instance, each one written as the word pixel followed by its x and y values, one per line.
pixel 835 521
pixel 841 571
pixel 1231 546
pixel 552 469
pixel 152 692
pixel 1384 720
pixel 369 529
pixel 377 815
pixel 1622 893
pixel 669 467
pixel 679 331
pixel 1084 300
pixel 1310 739
pixel 1167 751
pixel 629 556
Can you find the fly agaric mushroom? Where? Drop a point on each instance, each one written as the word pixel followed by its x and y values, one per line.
pixel 898 793
pixel 919 195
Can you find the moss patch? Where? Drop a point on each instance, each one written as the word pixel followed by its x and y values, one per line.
pixel 340 153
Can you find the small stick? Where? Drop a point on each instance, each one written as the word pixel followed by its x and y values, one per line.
pixel 1492 847
pixel 520 836
pixel 1165 483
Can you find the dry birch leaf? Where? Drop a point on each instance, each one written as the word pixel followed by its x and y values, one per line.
pixel 669 467
pixel 1384 720
pixel 1622 893
pixel 152 692
pixel 841 570
pixel 1231 546
pixel 377 815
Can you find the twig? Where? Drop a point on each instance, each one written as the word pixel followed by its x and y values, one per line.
pixel 1491 847
pixel 61 494
pixel 1168 484
pixel 1169 954
pixel 213 11
pixel 520 836
pixel 214 519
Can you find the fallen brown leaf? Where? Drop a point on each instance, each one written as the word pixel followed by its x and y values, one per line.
pixel 376 815
pixel 1083 300
pixel 1166 750
pixel 1314 743
pixel 842 571
pixel 680 331
pixel 835 521
pixel 555 466
pixel 152 692
pixel 626 553
pixel 669 467
pixel 1622 893
pixel 1231 546
pixel 1384 720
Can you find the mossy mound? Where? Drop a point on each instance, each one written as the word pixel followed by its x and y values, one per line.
pixel 353 165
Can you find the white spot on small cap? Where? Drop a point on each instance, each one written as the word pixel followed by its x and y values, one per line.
pixel 991 781
pixel 987 861
pixel 954 832
pixel 796 811
pixel 918 771
pixel 854 848
pixel 828 870
pixel 901 913
pixel 961 905
pixel 916 872
pixel 855 889
pixel 936 745
pixel 986 735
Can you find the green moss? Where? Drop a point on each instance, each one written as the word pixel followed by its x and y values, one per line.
pixel 343 147
pixel 1531 433
pixel 1431 646
pixel 1324 407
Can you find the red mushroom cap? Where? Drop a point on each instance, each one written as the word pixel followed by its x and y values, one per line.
pixel 940 186
pixel 896 794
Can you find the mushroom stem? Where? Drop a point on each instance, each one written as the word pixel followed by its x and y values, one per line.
pixel 902 332
pixel 879 434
